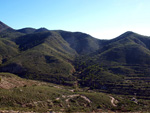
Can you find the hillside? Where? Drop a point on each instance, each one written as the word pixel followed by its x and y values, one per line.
pixel 8 50
pixel 22 95
pixel 129 48
pixel 45 56
pixel 66 57
pixel 26 30
pixel 31 30
pixel 108 68
pixel 26 95
pixel 8 32
pixel 4 27
pixel 86 66
pixel 81 42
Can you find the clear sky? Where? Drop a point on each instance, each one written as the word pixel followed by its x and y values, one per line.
pixel 104 19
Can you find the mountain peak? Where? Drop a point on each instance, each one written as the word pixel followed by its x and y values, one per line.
pixel 42 29
pixel 3 27
pixel 128 33
pixel 27 30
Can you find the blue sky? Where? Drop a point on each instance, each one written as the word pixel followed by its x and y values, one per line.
pixel 104 19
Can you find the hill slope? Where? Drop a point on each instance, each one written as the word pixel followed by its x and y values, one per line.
pixel 4 27
pixel 39 53
pixel 125 56
pixel 45 56
pixel 48 55
pixel 118 66
pixel 7 32
pixel 81 42
pixel 8 49
pixel 24 95
pixel 65 57
pixel 128 49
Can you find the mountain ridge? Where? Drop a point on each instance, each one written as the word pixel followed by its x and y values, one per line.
pixel 4 27
pixel 54 70
pixel 64 57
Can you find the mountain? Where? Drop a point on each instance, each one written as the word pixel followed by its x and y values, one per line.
pixel 81 42
pixel 31 30
pixel 41 30
pixel 45 56
pixel 82 65
pixel 7 32
pixel 8 50
pixel 129 48
pixel 4 27
pixel 27 30
pixel 65 57
pixel 109 68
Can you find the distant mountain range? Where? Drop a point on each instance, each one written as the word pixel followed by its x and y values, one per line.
pixel 64 57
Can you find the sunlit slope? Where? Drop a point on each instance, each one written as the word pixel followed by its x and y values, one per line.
pixel 44 56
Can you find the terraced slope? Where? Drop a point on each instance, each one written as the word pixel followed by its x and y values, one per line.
pixel 125 56
pixel 26 95
pixel 66 57
pixel 22 95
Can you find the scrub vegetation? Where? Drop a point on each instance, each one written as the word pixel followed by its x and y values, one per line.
pixel 73 71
